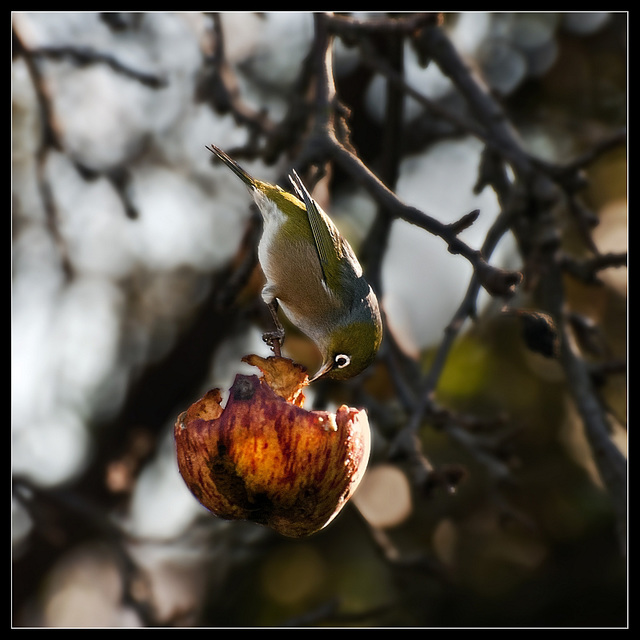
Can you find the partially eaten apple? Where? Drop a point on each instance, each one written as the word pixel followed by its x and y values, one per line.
pixel 266 459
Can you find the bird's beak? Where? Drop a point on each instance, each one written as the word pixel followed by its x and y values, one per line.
pixel 323 370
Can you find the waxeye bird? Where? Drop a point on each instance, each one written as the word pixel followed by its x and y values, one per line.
pixel 312 273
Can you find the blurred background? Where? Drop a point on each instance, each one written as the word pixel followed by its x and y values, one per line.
pixel 134 291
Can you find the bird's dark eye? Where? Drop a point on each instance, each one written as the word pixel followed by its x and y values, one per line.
pixel 342 361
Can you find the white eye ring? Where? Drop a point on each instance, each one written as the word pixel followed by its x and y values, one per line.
pixel 342 361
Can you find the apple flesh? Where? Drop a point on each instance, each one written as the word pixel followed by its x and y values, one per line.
pixel 266 459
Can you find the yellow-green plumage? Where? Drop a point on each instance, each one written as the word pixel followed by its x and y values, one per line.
pixel 314 275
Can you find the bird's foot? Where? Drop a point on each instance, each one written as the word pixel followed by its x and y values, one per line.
pixel 274 339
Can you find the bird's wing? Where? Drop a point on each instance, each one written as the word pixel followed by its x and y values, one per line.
pixel 326 237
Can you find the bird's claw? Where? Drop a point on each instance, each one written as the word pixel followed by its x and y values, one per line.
pixel 274 339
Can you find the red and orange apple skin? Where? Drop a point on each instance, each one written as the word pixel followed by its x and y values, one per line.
pixel 266 459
